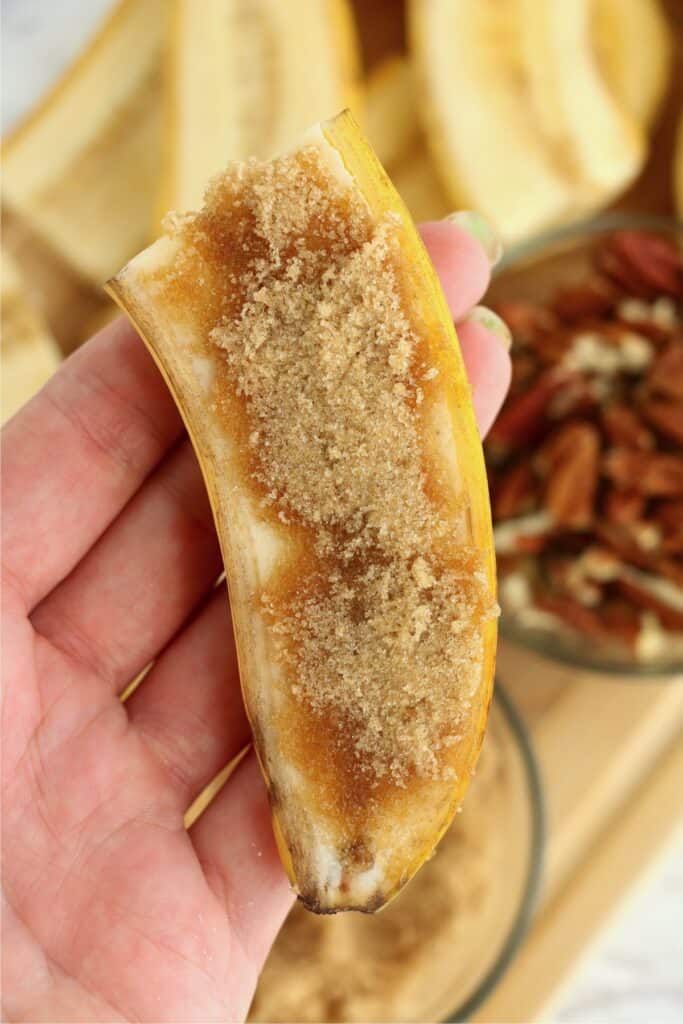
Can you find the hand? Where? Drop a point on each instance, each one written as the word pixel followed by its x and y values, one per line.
pixel 111 908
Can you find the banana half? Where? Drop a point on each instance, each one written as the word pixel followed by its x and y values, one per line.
pixel 244 77
pixel 81 171
pixel 30 355
pixel 519 119
pixel 301 328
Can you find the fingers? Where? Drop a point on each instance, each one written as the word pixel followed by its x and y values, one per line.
pixel 77 452
pixel 137 585
pixel 488 366
pixel 189 708
pixel 462 253
pixel 460 262
pixel 234 842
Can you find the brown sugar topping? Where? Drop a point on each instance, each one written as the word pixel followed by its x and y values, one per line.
pixel 315 325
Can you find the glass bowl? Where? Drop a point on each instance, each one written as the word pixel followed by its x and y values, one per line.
pixel 439 949
pixel 533 271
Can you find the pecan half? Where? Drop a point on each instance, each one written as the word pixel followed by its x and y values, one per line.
pixel 594 297
pixel 669 519
pixel 625 428
pixel 590 621
pixel 524 418
pixel 515 492
pixel 623 506
pixel 527 320
pixel 649 473
pixel 643 263
pixel 528 534
pixel 666 417
pixel 666 372
pixel 573 458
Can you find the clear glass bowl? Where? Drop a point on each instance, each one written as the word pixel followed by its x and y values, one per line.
pixel 519 883
pixel 437 952
pixel 533 271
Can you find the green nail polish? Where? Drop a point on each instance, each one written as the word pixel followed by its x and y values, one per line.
pixel 477 226
pixel 492 322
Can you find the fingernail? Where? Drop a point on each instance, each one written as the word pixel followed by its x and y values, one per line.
pixel 478 226
pixel 492 322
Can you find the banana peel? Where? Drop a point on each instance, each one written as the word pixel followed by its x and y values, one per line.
pixel 349 836
pixel 245 78
pixel 30 355
pixel 82 170
pixel 634 49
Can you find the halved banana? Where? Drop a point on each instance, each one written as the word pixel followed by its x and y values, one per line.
pixel 486 145
pixel 602 145
pixel 302 330
pixel 29 353
pixel 520 122
pixel 245 77
pixel 634 48
pixel 82 169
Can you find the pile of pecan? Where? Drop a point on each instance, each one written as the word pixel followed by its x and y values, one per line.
pixel 586 458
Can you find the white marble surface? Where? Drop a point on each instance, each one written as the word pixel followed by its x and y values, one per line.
pixel 635 971
pixel 37 39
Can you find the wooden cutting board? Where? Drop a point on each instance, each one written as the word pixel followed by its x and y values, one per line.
pixel 610 754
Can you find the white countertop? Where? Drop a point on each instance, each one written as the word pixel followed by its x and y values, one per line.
pixel 635 971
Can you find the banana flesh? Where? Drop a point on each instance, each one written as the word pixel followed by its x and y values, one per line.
pixel 340 852
pixel 419 186
pixel 519 120
pixel 30 354
pixel 634 49
pixel 391 119
pixel 487 150
pixel 63 299
pixel 602 145
pixel 82 170
pixel 392 124
pixel 245 79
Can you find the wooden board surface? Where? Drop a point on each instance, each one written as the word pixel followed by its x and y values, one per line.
pixel 610 754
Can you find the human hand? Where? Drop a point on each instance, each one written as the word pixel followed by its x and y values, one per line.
pixel 111 908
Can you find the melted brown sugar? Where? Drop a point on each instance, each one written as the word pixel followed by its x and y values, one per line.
pixel 327 380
